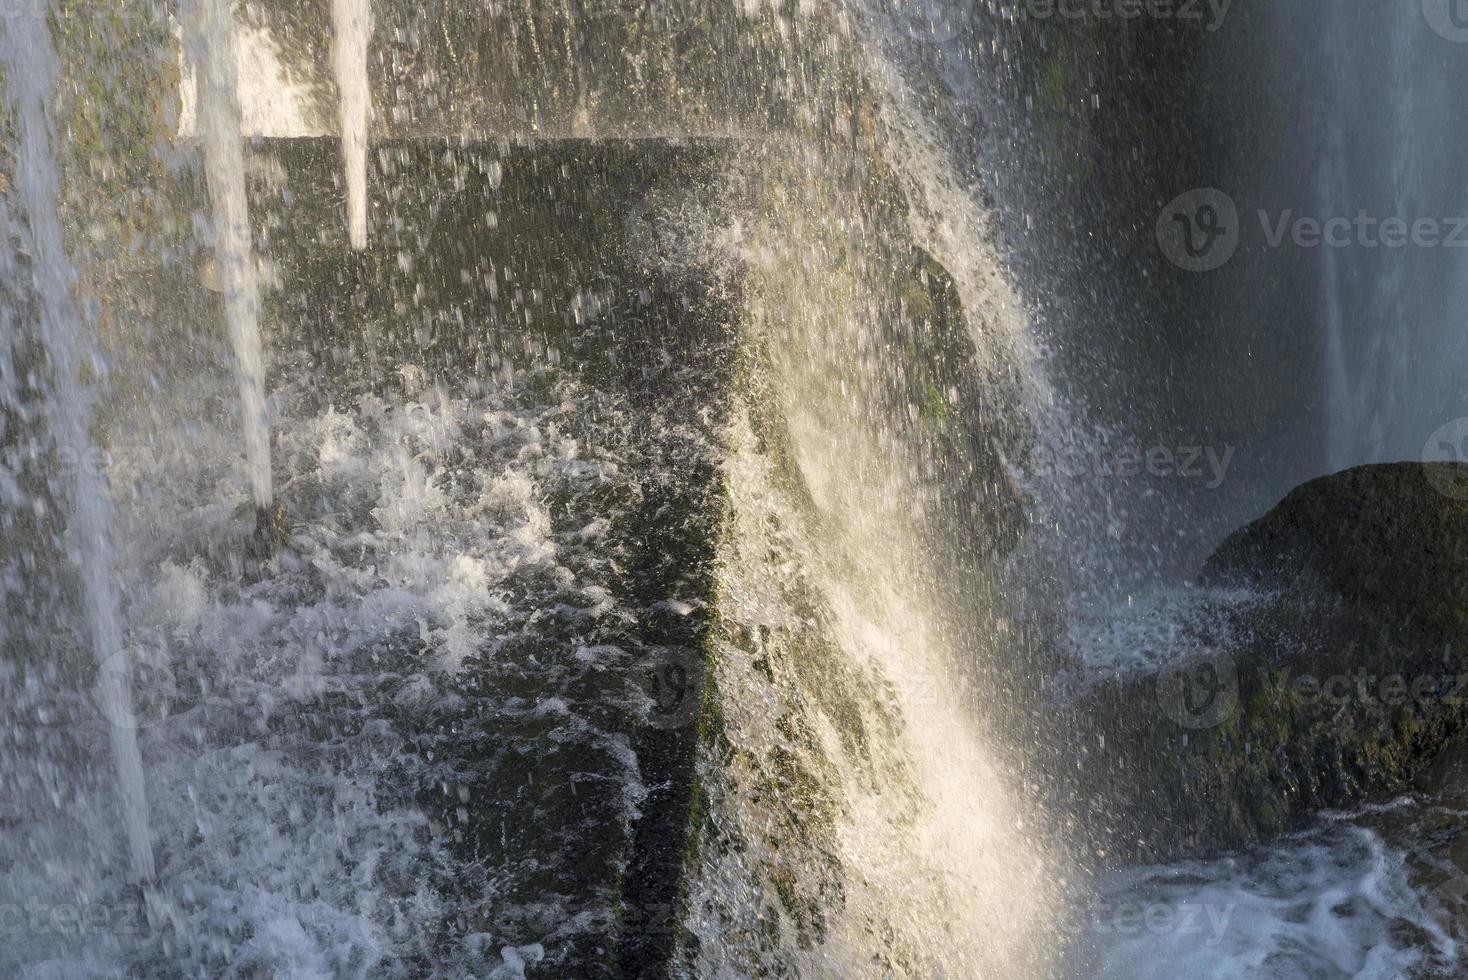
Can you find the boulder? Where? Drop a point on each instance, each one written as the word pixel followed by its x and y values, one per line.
pixel 1339 681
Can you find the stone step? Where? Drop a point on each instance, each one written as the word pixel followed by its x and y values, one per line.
pixel 529 269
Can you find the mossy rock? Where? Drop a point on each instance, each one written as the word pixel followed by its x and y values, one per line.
pixel 1343 682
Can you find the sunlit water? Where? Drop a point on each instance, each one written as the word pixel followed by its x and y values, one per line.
pixel 352 24
pixel 277 714
pixel 211 44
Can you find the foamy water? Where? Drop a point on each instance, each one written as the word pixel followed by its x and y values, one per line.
pixel 1338 901
pixel 278 718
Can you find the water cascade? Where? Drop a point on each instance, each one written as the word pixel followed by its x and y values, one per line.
pixel 211 45
pixel 31 71
pixel 841 566
pixel 1373 84
pixel 352 30
pixel 673 587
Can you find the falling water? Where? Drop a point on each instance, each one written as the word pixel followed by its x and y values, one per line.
pixel 1378 91
pixel 872 785
pixel 352 24
pixel 30 72
pixel 1340 428
pixel 212 48
pixel 833 564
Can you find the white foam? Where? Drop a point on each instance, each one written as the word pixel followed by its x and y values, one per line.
pixel 281 853
pixel 1337 902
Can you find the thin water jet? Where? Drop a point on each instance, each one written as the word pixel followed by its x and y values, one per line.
pixel 212 43
pixel 31 70
pixel 352 24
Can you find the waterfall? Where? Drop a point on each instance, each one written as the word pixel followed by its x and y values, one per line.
pixel 30 72
pixel 841 565
pixel 211 42
pixel 1340 406
pixel 352 24
pixel 1392 356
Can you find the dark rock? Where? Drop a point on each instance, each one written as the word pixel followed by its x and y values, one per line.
pixel 1389 537
pixel 559 768
pixel 1342 683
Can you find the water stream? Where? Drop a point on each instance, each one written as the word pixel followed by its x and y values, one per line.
pixel 352 26
pixel 211 43
pixel 73 361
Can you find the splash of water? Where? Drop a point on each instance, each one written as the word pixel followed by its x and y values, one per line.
pixel 832 562
pixel 1332 901
pixel 211 42
pixel 30 70
pixel 352 22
